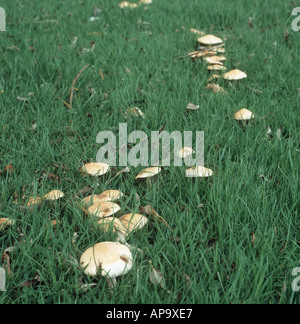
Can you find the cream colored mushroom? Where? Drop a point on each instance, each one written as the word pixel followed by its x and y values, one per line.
pixel 198 172
pixel 216 67
pixel 94 169
pixel 235 75
pixel 104 209
pixel 185 152
pixel 112 194
pixel 215 59
pixel 210 40
pixel 133 222
pixel 124 4
pixel 111 223
pixel 244 114
pixel 145 1
pixel 54 195
pixel 148 173
pixel 93 200
pixel 109 259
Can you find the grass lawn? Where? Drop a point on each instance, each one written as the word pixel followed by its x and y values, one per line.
pixel 239 230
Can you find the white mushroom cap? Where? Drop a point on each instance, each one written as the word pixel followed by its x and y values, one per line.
pixel 244 114
pixel 95 169
pixel 54 195
pixel 210 40
pixel 215 60
pixel 216 67
pixel 198 172
pixel 124 4
pixel 145 1
pixel 113 194
pixel 110 258
pixel 235 75
pixel 93 200
pixel 133 222
pixel 148 173
pixel 104 209
pixel 185 152
pixel 111 222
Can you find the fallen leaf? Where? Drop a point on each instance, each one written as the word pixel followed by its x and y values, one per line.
pixel 31 282
pixel 156 277
pixel 9 169
pixel 6 261
pixel 253 238
pixel 198 32
pixel 22 99
pixel 215 88
pixel 136 112
pixel 250 23
pixel 149 210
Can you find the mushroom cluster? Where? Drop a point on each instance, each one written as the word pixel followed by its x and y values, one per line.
pixel 209 51
pixel 110 259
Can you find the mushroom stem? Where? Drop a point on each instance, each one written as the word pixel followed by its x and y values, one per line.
pixel 130 247
pixel 112 283
pixel 149 183
pixel 122 239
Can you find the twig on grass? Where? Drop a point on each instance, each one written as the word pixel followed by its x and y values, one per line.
pixel 73 87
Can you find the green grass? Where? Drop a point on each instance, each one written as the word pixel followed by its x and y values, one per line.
pixel 216 249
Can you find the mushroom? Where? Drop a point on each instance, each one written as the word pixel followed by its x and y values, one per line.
pixel 124 4
pixel 109 259
pixel 113 194
pixel 133 222
pixel 199 54
pixel 198 172
pixel 215 88
pixel 215 59
pixel 243 115
pixel 34 201
pixel 94 169
pixel 148 173
pixel 54 195
pixel 185 152
pixel 235 75
pixel 145 1
pixel 104 209
pixel 210 40
pixel 216 67
pixel 92 200
pixel 111 223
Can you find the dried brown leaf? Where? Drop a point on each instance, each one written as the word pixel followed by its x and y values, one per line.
pixel 149 210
